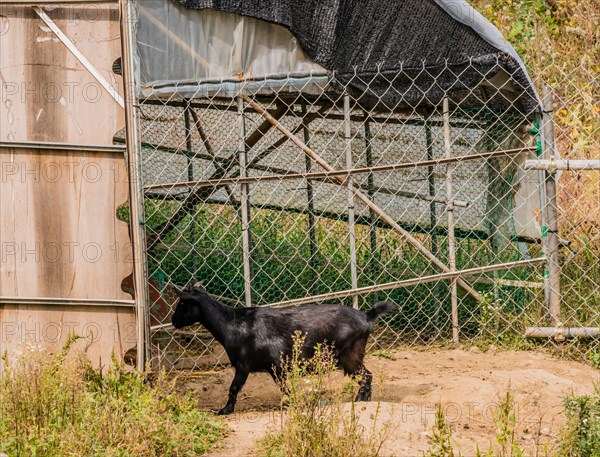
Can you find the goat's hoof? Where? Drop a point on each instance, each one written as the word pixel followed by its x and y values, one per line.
pixel 362 396
pixel 224 411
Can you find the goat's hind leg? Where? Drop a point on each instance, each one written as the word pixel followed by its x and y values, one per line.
pixel 364 378
pixel 241 375
pixel 279 375
pixel 352 364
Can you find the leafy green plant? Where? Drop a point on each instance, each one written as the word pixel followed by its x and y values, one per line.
pixel 54 405
pixel 594 356
pixel 381 353
pixel 506 421
pixel 442 434
pixel 581 437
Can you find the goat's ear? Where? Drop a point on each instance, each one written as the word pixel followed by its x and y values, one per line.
pixel 199 286
pixel 180 293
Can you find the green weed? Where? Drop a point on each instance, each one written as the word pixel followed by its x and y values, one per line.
pixel 581 437
pixel 55 405
pixel 442 434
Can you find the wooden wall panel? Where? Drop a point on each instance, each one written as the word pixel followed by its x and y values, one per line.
pixel 104 329
pixel 59 235
pixel 46 93
pixel 58 227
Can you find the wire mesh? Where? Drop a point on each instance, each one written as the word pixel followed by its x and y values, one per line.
pixel 234 201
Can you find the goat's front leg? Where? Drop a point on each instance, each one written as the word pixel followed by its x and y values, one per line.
pixel 236 385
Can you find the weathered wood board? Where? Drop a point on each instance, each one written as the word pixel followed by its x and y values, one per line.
pixel 60 238
pixel 46 93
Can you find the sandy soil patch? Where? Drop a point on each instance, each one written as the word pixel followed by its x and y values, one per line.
pixel 468 383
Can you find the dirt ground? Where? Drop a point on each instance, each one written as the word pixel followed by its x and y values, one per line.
pixel 468 383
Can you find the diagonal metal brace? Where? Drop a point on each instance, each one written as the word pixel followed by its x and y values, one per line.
pixel 364 198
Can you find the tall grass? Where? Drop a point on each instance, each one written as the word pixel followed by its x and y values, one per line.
pixel 441 437
pixel 318 423
pixel 55 405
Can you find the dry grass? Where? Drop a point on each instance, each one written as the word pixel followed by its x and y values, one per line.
pixel 559 40
pixel 57 405
pixel 320 422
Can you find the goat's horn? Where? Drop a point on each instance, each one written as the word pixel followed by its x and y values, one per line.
pixel 199 284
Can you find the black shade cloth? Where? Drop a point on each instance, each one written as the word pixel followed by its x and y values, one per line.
pixel 395 54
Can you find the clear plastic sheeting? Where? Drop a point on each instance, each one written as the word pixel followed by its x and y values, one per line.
pixel 499 194
pixel 182 50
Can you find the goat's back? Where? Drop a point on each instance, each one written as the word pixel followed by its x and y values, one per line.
pixel 269 331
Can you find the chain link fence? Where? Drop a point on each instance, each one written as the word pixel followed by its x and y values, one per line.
pixel 281 192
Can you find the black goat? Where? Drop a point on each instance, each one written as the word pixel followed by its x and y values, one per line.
pixel 256 339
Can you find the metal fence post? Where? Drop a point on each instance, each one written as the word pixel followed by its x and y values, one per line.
pixel 551 230
pixel 450 214
pixel 245 207
pixel 433 221
pixel 136 196
pixel 372 215
pixel 351 224
pixel 312 235
pixel 190 174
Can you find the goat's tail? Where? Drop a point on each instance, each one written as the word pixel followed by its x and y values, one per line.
pixel 383 307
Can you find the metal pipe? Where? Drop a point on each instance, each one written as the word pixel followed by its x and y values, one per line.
pixel 561 333
pixel 190 173
pixel 410 282
pixel 51 301
pixel 551 165
pixel 551 210
pixel 543 220
pixel 372 215
pixel 136 197
pixel 53 2
pixel 511 283
pixel 433 222
pixel 245 208
pixel 312 235
pixel 491 200
pixel 379 211
pixel 450 215
pixel 351 222
pixel 392 119
pixel 44 145
pixel 188 144
pixel 404 193
pixel 340 173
